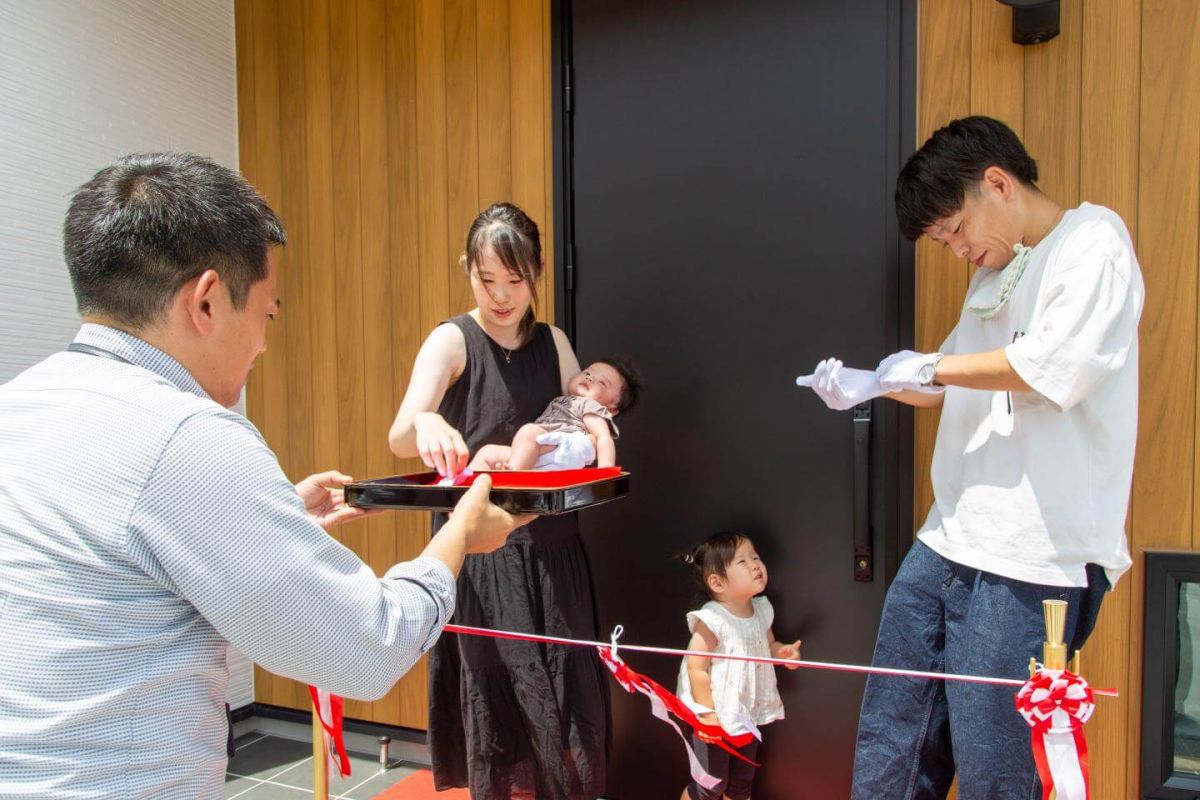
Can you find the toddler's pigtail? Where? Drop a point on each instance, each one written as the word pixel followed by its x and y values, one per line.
pixel 711 557
pixel 694 561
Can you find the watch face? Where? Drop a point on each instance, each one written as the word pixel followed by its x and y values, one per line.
pixel 925 374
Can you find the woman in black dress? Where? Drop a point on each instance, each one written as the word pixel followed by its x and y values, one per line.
pixel 507 719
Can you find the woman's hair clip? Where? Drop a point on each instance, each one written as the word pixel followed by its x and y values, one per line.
pixel 688 558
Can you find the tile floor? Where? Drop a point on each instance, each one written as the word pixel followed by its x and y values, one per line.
pixel 274 768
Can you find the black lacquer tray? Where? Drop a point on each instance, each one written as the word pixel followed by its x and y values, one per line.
pixel 516 491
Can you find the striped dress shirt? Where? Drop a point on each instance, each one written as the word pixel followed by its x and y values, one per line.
pixel 143 527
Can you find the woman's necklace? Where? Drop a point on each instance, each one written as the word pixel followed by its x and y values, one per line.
pixel 508 351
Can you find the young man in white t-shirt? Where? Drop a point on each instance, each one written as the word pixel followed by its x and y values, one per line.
pixel 1031 469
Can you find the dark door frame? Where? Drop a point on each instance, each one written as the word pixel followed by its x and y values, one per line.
pixel 892 501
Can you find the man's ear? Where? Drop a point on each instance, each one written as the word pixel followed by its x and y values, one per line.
pixel 1000 182
pixel 201 298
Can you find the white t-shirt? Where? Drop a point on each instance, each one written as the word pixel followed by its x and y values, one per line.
pixel 740 689
pixel 1034 485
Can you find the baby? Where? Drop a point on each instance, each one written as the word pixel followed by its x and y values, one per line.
pixel 576 429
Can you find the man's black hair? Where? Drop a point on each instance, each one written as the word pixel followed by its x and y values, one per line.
pixel 935 179
pixel 146 225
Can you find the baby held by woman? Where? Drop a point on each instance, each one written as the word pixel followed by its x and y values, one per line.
pixel 576 429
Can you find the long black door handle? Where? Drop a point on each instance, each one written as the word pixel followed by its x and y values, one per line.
pixel 862 492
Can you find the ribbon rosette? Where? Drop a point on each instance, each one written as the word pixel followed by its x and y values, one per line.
pixel 1056 704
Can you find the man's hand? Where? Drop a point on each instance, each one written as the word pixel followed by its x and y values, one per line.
pixel 325 499
pixel 830 384
pixel 475 526
pixel 901 372
pixel 484 526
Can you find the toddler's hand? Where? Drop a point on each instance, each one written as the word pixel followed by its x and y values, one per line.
pixel 789 651
pixel 709 718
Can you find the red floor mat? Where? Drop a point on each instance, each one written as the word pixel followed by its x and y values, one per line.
pixel 419 786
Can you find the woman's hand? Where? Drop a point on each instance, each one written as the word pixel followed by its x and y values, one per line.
pixel 325 499
pixel 440 361
pixel 439 445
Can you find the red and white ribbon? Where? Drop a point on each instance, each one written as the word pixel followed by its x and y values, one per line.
pixel 783 662
pixel 329 710
pixel 1058 740
pixel 662 702
pixel 1056 704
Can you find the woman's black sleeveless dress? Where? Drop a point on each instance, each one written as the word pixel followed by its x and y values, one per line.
pixel 509 718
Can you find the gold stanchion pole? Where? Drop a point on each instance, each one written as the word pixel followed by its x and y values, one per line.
pixel 320 762
pixel 1054 649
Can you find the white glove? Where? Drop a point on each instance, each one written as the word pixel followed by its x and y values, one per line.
pixel 841 387
pixel 571 451
pixel 901 372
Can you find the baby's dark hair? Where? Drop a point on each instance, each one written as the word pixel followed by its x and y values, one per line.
pixel 711 556
pixel 632 378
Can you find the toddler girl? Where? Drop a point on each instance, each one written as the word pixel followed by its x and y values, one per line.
pixel 737 695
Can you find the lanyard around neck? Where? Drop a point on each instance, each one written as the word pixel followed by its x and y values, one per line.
pixel 99 352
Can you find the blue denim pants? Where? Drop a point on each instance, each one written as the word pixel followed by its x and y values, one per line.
pixel 914 734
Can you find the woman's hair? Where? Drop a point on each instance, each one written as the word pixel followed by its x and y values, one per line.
pixel 711 556
pixel 515 240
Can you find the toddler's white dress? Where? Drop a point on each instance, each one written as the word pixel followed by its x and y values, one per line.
pixel 740 689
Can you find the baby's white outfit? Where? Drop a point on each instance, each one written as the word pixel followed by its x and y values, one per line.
pixel 565 428
pixel 739 688
pixel 572 450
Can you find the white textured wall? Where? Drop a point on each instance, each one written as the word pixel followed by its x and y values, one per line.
pixel 80 84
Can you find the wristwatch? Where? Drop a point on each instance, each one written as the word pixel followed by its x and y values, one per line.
pixel 928 371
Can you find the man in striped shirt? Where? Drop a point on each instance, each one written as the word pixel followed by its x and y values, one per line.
pixel 144 525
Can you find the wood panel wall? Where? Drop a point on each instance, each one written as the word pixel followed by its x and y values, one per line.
pixel 1111 111
pixel 378 129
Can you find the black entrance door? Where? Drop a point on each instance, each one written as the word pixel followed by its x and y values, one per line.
pixel 725 191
